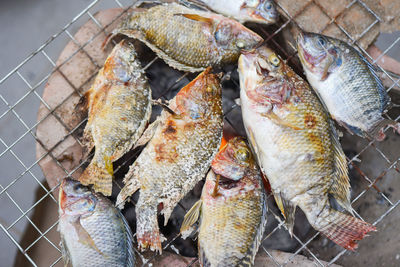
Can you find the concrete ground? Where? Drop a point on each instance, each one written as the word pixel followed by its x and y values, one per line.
pixel 25 26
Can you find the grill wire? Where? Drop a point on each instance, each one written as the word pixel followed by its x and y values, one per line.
pixel 304 243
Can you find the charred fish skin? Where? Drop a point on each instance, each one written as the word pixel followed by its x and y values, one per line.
pixel 259 11
pixel 187 39
pixel 93 232
pixel 346 83
pixel 296 147
pixel 232 221
pixel 177 156
pixel 119 104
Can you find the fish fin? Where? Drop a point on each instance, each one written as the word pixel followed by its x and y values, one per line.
pixel 131 252
pixel 84 236
pixel 161 54
pixel 147 231
pixel 275 119
pixel 342 229
pixel 99 177
pixel 288 211
pixel 167 109
pixel 191 217
pixel 132 184
pixel 340 188
pixel 64 251
pixel 377 129
pixel 351 129
pixel 197 17
pixel 148 134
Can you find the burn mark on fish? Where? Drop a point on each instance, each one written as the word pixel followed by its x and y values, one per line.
pixel 310 121
pixel 171 128
pixel 165 153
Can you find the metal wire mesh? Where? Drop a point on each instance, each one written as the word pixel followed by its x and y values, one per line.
pixel 9 111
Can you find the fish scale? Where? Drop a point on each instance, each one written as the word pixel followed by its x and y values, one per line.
pixel 233 218
pixel 119 104
pixel 189 39
pixel 104 224
pixel 177 156
pixel 296 146
pixel 346 84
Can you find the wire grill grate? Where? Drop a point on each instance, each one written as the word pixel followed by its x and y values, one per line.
pixel 33 92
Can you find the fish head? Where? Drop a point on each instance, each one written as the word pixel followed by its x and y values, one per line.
pixel 201 97
pixel 260 11
pixel 233 36
pixel 263 76
pixel 319 54
pixel 121 63
pixel 75 199
pixel 233 160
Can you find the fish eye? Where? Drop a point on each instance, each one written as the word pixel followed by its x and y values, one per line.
pixel 78 188
pixel 242 154
pixel 321 41
pixel 274 60
pixel 240 44
pixel 267 6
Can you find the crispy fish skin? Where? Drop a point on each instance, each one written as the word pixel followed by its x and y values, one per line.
pixel 187 39
pixel 177 156
pixel 346 83
pixel 232 223
pixel 93 232
pixel 119 109
pixel 259 11
pixel 296 147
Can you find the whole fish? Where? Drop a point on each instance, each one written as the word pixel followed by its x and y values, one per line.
pixel 93 232
pixel 188 39
pixel 119 108
pixel 297 147
pixel 259 11
pixel 346 83
pixel 232 221
pixel 184 140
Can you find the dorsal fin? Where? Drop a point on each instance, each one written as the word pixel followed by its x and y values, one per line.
pixel 340 188
pixel 197 17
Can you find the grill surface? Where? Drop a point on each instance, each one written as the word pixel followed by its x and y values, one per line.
pixel 373 166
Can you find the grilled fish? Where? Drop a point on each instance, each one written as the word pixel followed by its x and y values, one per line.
pixel 93 232
pixel 119 108
pixel 297 147
pixel 187 39
pixel 346 83
pixel 233 220
pixel 183 143
pixel 259 11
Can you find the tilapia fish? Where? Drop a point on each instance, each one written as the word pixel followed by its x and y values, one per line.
pixel 93 232
pixel 346 83
pixel 119 108
pixel 187 39
pixel 232 221
pixel 297 147
pixel 183 143
pixel 259 11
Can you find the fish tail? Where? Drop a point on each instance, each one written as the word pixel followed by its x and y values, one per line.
pixel 99 177
pixel 377 129
pixel 342 229
pixel 147 231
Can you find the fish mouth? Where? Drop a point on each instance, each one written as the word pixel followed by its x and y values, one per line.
pixel 305 56
pixel 247 58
